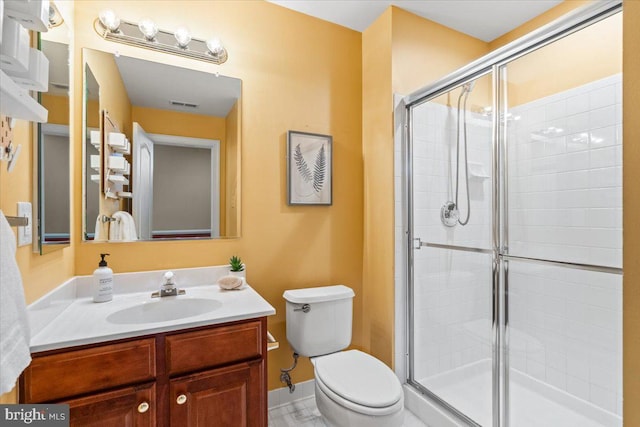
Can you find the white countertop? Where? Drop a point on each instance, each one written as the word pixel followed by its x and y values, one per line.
pixel 68 317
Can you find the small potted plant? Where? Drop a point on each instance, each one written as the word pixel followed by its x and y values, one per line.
pixel 235 279
pixel 236 267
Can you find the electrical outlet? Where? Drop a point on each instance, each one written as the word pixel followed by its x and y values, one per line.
pixel 24 233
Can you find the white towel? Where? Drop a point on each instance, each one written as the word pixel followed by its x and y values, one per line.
pixel 123 228
pixel 14 324
pixel 114 228
pixel 99 234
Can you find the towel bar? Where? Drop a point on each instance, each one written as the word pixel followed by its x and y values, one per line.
pixel 18 221
pixel 272 344
pixel 107 219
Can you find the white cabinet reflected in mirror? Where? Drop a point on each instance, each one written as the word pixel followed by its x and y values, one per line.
pixel 181 174
pixel 53 142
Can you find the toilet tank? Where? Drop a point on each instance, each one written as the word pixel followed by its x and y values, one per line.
pixel 323 328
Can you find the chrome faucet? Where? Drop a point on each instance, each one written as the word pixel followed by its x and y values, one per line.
pixel 168 288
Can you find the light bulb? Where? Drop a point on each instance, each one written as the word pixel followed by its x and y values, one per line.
pixel 109 20
pixel 183 36
pixel 215 46
pixel 148 29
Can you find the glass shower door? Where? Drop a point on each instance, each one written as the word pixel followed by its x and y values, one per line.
pixel 563 202
pixel 452 261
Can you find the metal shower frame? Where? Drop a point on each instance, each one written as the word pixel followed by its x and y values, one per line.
pixel 495 63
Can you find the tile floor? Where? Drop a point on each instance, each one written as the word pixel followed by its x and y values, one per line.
pixel 304 413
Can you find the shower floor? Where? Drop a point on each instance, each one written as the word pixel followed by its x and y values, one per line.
pixel 533 403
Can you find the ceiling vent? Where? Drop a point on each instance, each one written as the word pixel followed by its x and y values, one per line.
pixel 183 104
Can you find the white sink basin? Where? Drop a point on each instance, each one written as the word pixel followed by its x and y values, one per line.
pixel 164 309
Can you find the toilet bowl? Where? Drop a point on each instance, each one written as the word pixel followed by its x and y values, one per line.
pixel 352 388
pixel 357 390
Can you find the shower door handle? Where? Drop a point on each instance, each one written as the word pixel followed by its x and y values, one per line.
pixel 417 243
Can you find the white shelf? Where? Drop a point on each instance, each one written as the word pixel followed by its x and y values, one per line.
pixel 119 164
pixel 118 179
pixel 16 102
pixel 119 142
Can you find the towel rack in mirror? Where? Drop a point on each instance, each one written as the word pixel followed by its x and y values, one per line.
pixel 18 221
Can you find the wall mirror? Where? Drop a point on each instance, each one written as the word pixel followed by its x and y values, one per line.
pixel 53 143
pixel 166 151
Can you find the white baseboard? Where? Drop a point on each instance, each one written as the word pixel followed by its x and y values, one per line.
pixel 281 396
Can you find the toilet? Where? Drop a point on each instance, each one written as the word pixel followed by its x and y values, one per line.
pixel 352 388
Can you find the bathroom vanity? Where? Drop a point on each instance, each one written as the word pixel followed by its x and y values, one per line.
pixel 115 369
pixel 203 376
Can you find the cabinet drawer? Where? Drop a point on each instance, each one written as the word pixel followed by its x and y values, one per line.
pixel 192 351
pixel 61 375
pixel 133 406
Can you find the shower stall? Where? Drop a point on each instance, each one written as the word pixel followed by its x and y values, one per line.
pixel 513 230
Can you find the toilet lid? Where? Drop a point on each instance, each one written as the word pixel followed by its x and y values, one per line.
pixel 359 378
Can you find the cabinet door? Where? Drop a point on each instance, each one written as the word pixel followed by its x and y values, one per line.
pixel 228 397
pixel 126 407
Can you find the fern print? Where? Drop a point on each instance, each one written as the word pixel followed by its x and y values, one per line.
pixel 319 170
pixel 301 164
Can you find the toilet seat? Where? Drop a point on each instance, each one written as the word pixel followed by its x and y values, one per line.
pixel 359 382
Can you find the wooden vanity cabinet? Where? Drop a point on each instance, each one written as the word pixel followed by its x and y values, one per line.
pixel 209 376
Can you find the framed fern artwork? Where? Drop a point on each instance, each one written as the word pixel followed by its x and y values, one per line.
pixel 309 168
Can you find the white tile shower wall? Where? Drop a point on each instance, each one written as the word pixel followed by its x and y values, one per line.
pixel 565 203
pixel 565 329
pixel 452 292
pixel 565 176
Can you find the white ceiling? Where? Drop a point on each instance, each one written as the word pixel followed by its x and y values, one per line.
pixel 155 85
pixel 482 19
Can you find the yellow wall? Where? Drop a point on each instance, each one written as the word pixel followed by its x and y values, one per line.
pixel 563 65
pixel 168 122
pixel 93 113
pixel 631 202
pixel 425 51
pixel 401 53
pixel 58 108
pixel 113 94
pixel 377 149
pixel 310 82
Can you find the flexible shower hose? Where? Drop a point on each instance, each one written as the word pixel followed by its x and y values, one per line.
pixel 465 93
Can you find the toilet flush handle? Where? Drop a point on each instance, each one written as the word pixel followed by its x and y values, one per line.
pixel 305 308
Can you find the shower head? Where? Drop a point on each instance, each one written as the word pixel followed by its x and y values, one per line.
pixel 468 87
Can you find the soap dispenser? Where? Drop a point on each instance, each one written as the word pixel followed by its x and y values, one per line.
pixel 102 282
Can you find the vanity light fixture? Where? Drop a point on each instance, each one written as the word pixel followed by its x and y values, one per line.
pixel 149 29
pixel 109 20
pixel 55 18
pixel 146 34
pixel 183 37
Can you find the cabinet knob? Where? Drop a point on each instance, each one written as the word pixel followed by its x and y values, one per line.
pixel 181 399
pixel 143 407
